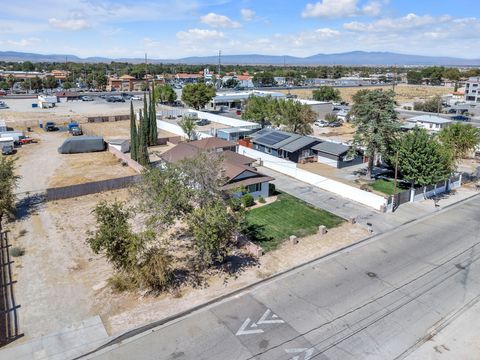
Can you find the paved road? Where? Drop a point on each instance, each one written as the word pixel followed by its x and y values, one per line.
pixel 374 301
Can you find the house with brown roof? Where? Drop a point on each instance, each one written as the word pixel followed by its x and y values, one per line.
pixel 238 169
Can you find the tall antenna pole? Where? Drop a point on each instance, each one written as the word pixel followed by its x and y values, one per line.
pixel 394 77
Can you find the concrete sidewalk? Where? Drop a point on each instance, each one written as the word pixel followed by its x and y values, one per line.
pixel 381 222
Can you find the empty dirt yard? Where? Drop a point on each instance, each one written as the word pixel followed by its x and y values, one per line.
pixel 82 168
pixel 404 93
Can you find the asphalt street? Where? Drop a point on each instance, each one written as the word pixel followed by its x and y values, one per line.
pixel 378 300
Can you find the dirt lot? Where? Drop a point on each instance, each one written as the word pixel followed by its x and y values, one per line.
pixel 41 166
pixel 343 133
pixel 21 111
pixel 115 130
pixel 82 168
pixel 404 93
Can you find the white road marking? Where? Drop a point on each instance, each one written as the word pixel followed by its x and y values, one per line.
pixel 308 353
pixel 242 330
pixel 264 320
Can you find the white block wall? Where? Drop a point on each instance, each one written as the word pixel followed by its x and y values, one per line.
pixel 224 120
pixel 289 168
pixel 177 130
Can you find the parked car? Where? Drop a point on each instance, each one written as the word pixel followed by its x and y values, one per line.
pixel 202 122
pixel 115 99
pixel 50 126
pixel 27 140
pixel 461 118
pixel 7 149
pixel 86 98
pixel 76 131
pixel 335 124
pixel 321 123
pixel 135 97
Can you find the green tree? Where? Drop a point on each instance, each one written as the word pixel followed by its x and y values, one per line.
pixel 433 105
pixel 8 182
pixel 152 131
pixel 133 134
pixel 326 93
pixel 214 228
pixel 421 159
pixel 67 85
pixel 296 117
pixel 49 82
pixel 142 152
pixel 101 81
pixel 197 95
pixel 114 236
pixel 188 125
pixel 28 66
pixel 264 79
pixel 376 122
pixel 260 109
pixel 461 139
pixel 231 83
pixel 165 94
pixel 414 77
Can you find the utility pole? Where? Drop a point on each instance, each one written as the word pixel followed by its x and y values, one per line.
pixel 219 80
pixel 394 77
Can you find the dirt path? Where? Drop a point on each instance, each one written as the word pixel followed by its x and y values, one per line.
pixel 37 162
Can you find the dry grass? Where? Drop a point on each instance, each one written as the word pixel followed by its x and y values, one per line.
pixel 404 93
pixel 112 130
pixel 82 168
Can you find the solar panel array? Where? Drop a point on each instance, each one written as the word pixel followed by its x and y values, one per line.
pixel 273 138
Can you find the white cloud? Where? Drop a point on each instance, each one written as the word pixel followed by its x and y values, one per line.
pixel 331 8
pixel 69 24
pixel 343 8
pixel 409 21
pixel 373 8
pixel 219 21
pixel 23 42
pixel 193 35
pixel 247 14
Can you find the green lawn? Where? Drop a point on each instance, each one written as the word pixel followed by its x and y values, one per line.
pixel 386 186
pixel 271 224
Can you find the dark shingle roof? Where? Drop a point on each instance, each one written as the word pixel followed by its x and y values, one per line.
pixel 331 148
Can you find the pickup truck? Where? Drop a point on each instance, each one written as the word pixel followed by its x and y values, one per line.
pixel 50 126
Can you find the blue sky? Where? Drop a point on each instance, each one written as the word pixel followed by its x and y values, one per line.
pixel 173 29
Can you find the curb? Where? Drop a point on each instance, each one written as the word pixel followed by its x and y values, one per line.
pixel 155 324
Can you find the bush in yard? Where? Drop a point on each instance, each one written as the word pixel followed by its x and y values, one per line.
pixel 261 200
pixel 155 270
pixel 248 200
pixel 271 189
pixel 17 251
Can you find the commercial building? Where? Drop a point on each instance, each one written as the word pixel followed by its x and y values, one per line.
pixel 238 99
pixel 472 89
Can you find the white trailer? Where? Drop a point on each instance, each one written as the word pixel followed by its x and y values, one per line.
pixel 3 126
pixel 15 135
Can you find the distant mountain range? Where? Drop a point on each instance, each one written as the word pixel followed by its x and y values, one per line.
pixel 347 58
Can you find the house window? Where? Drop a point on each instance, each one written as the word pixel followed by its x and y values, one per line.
pixel 268 150
pixel 254 188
